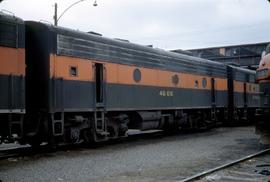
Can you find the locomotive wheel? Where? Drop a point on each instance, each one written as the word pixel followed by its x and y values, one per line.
pixel 87 136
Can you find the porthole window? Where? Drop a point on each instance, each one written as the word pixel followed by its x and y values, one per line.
pixel 196 84
pixel 204 82
pixel 73 71
pixel 175 79
pixel 137 75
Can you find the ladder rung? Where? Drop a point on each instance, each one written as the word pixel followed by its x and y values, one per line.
pixel 15 122
pixel 100 123
pixel 101 132
pixel 57 121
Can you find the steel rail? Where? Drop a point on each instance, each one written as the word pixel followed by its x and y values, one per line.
pixel 210 171
pixel 14 152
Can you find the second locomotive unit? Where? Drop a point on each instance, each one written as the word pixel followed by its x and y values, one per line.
pixel 87 87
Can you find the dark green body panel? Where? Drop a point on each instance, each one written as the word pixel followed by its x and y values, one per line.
pixel 253 100
pixel 80 96
pixel 70 95
pixel 12 93
pixel 148 97
pixel 12 88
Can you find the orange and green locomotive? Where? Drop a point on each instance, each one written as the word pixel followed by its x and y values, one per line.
pixel 12 77
pixel 85 87
pixel 263 113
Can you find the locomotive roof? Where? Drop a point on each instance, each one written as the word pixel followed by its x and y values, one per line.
pixel 128 44
pixel 10 18
pixel 12 31
pixel 243 69
pixel 86 45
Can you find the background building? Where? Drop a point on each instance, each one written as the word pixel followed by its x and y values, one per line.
pixel 246 55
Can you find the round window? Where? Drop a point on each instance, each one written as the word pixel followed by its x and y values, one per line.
pixel 137 75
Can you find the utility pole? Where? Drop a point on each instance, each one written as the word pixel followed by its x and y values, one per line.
pixel 56 18
pixel 55 14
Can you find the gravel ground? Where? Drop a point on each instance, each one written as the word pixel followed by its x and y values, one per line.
pixel 159 158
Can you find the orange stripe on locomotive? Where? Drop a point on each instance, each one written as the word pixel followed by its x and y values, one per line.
pixel 123 74
pixel 12 61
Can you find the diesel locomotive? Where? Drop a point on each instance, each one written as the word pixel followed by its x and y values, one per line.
pixel 12 77
pixel 263 113
pixel 71 86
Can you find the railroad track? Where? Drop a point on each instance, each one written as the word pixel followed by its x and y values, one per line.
pixel 233 174
pixel 22 151
pixel 14 152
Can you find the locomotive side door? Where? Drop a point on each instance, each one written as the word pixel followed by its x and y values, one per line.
pixel 99 79
pixel 230 97
pixel 213 99
pixel 100 123
pixel 245 95
pixel 213 92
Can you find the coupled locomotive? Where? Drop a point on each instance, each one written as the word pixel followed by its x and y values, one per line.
pixel 85 87
pixel 263 113
pixel 12 77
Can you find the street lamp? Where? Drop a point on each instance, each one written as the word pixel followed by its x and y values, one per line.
pixel 56 19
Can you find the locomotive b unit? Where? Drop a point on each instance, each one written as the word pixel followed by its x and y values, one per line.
pixel 87 87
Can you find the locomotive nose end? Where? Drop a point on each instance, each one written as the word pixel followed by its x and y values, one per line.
pixel 265 62
pixel 263 72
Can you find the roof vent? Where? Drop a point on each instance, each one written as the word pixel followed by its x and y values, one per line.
pixel 94 33
pixel 123 40
pixel 149 46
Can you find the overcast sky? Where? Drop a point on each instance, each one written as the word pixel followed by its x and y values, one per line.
pixel 167 24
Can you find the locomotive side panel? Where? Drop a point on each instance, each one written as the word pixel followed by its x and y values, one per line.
pixel 12 77
pixel 244 91
pixel 56 83
pixel 77 81
pixel 12 70
pixel 138 78
pixel 72 84
pixel 160 89
pixel 243 94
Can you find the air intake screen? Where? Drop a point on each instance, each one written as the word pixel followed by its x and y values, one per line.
pixel 8 35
